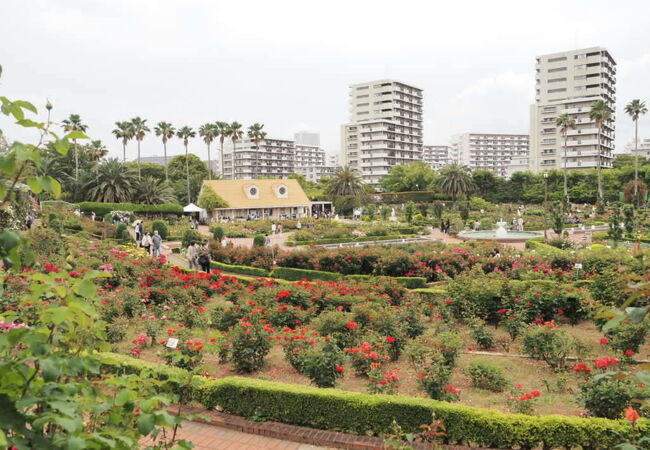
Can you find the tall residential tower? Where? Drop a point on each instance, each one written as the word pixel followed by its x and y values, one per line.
pixel 569 83
pixel 385 128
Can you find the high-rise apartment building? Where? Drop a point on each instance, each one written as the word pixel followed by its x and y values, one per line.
pixel 269 158
pixel 489 151
pixel 333 160
pixel 308 156
pixel 569 83
pixel 385 128
pixel 436 156
pixel 642 148
pixel 307 138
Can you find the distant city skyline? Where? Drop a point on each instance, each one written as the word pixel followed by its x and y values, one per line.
pixel 193 62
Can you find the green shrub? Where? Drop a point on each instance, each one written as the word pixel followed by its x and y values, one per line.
pixel 121 232
pixel 243 270
pixel 287 273
pixel 322 364
pixel 411 282
pixel 607 396
pixel 549 344
pixel 218 233
pixel 249 345
pixel 483 338
pixel 486 376
pixel 627 336
pixel 161 227
pixel 259 240
pixel 190 236
pixel 360 413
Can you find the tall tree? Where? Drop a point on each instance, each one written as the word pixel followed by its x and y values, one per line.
pixel 415 176
pixel 455 181
pixel 209 133
pixel 634 109
pixel 153 191
pixel 566 123
pixel 140 129
pixel 123 131
pixel 185 133
pixel 235 133
pixel 97 150
pixel 111 181
pixel 600 113
pixel 346 182
pixel 166 131
pixel 74 123
pixel 223 129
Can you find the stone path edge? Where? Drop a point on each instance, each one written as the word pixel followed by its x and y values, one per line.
pixel 299 434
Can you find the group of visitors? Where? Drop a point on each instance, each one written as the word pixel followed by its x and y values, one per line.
pixel 152 243
pixel 198 256
pixel 276 229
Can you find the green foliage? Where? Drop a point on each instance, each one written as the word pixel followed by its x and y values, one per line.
pixel 161 227
pixel 287 273
pixel 608 396
pixel 486 376
pixel 415 176
pixel 627 336
pixel 121 232
pixel 360 413
pixel 248 346
pixel 615 225
pixel 101 209
pixel 483 338
pixel 190 235
pixel 409 211
pixel 259 240
pixel 320 363
pixel 244 270
pixel 218 233
pixel 549 344
pixel 209 200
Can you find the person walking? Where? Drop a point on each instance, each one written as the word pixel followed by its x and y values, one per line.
pixel 192 256
pixel 147 242
pixel 267 240
pixel 138 233
pixel 156 244
pixel 204 257
pixel 273 228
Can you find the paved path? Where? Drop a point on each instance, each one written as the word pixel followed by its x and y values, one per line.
pixel 208 437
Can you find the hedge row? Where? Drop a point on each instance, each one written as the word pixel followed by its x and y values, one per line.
pixel 333 409
pixel 405 197
pixel 407 282
pixel 325 241
pixel 244 270
pixel 101 209
pixel 291 274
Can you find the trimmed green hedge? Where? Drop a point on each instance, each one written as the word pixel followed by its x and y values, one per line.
pixel 101 209
pixel 539 246
pixel 359 413
pixel 325 241
pixel 407 282
pixel 291 274
pixel 244 270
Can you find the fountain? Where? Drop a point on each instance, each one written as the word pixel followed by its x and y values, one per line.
pixel 499 235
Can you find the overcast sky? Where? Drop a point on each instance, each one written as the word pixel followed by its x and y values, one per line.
pixel 288 63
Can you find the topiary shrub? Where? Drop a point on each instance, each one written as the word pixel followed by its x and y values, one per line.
pixel 161 227
pixel 218 233
pixel 486 376
pixel 259 240
pixel 190 236
pixel 121 232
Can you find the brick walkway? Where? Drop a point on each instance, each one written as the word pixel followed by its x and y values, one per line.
pixel 208 437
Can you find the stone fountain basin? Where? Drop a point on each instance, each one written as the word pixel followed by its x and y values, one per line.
pixel 491 235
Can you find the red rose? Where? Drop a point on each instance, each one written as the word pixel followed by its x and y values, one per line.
pixel 340 369
pixel 352 325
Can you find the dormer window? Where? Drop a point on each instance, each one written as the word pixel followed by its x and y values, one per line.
pixel 252 192
pixel 281 191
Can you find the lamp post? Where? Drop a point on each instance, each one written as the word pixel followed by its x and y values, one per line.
pixel 545 205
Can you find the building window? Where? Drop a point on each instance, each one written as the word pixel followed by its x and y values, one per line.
pixel 553 91
pixel 561 58
pixel 557 69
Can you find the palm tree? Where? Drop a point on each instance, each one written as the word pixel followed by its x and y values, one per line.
pixel 74 123
pixel 634 109
pixel 153 191
pixel 455 180
pixel 123 131
pixel 235 133
pixel 566 123
pixel 346 181
pixel 97 150
pixel 140 128
pixel 186 133
pixel 166 131
pixel 600 113
pixel 223 130
pixel 209 133
pixel 111 181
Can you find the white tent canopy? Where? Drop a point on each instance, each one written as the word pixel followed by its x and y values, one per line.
pixel 192 208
